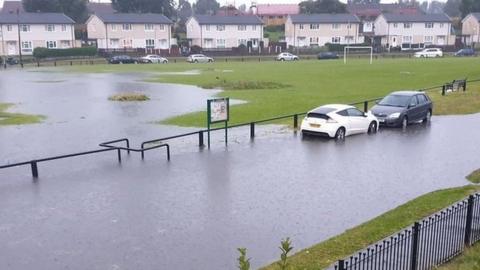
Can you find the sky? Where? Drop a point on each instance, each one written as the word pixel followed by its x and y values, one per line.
pixel 248 2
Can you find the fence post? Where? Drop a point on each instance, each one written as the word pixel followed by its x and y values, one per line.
pixel 295 121
pixel 365 106
pixel 252 130
pixel 341 265
pixel 119 156
pixel 200 139
pixel 415 234
pixel 33 164
pixel 468 227
pixel 443 90
pixel 465 86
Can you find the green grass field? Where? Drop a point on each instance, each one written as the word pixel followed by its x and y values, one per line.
pixel 7 118
pixel 303 85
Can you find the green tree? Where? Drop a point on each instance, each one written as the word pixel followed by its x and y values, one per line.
pixel 469 6
pixel 208 7
pixel 452 8
pixel 165 7
pixel 322 6
pixel 184 11
pixel 75 9
pixel 364 1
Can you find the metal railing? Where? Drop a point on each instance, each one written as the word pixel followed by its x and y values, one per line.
pixel 424 245
pixel 160 142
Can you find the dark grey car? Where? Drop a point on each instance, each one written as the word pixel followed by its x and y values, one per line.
pixel 403 107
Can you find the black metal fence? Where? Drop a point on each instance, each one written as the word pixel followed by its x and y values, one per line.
pixel 424 245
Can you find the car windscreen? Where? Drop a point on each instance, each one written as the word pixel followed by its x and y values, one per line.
pixel 395 101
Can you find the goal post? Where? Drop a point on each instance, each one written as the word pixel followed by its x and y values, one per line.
pixel 346 49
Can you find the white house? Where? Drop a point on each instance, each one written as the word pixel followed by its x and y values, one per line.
pixel 49 30
pixel 224 31
pixel 318 29
pixel 414 31
pixel 130 30
pixel 471 29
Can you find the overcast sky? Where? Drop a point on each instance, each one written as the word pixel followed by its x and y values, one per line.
pixel 248 2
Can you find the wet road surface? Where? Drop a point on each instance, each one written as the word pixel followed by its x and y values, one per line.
pixel 194 211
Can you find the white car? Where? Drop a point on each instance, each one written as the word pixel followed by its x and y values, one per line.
pixel 337 121
pixel 287 57
pixel 199 58
pixel 152 58
pixel 431 52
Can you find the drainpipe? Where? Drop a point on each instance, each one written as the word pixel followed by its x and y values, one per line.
pixel 106 37
pixel 3 46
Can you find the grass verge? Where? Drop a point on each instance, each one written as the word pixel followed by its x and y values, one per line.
pixel 469 260
pixel 474 177
pixel 325 253
pixel 7 118
pixel 129 97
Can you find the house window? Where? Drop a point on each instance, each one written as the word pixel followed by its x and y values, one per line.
pixel 162 27
pixel 163 44
pixel 336 40
pixel 428 39
pixel 280 17
pixel 314 41
pixel 242 28
pixel 440 40
pixel 64 27
pixel 65 43
pixel 254 28
pixel 407 39
pixel 301 26
pixel 26 46
pixel 314 26
pixel 9 28
pixel 395 25
pixel 221 27
pixel 150 43
pixel 349 26
pixel 114 42
pixel 220 43
pixel 25 28
pixel 51 44
pixel 126 27
pixel 348 39
pixel 242 42
pixel 50 28
pixel 127 43
pixel 335 26
pixel 113 27
pixel 407 25
pixel 149 27
pixel 441 25
pixel 207 27
pixel 429 25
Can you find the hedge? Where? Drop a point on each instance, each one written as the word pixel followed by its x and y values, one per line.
pixel 47 53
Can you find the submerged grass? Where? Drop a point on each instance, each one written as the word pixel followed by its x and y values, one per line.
pixel 326 253
pixel 129 97
pixel 245 85
pixel 7 118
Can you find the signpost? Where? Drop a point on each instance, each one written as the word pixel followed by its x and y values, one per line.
pixel 218 111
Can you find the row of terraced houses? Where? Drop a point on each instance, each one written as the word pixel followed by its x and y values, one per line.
pixel 110 30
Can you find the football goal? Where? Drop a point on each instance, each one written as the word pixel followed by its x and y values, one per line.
pixel 347 49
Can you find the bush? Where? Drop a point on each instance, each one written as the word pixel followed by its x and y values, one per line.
pixel 196 49
pixel 40 52
pixel 275 28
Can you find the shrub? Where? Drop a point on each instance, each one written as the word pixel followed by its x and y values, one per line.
pixel 129 97
pixel 40 52
pixel 196 49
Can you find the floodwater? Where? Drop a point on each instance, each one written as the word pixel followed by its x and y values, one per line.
pixel 193 212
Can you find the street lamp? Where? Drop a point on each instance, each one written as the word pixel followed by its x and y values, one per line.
pixel 19 39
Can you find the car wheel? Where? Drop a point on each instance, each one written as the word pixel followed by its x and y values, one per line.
pixel 135 62
pixel 165 61
pixel 210 60
pixel 428 117
pixel 281 59
pixel 196 61
pixel 295 59
pixel 340 134
pixel 422 56
pixel 404 123
pixel 372 128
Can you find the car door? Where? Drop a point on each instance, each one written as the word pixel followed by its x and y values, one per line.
pixel 414 110
pixel 358 121
pixel 424 105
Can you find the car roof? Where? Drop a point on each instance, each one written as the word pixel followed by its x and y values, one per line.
pixel 406 93
pixel 334 107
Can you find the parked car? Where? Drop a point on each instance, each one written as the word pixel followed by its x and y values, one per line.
pixel 402 108
pixel 11 61
pixel 465 52
pixel 199 58
pixel 122 59
pixel 430 52
pixel 337 121
pixel 152 58
pixel 327 55
pixel 287 57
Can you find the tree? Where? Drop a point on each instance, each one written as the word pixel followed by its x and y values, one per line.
pixel 469 6
pixel 322 6
pixel 75 9
pixel 165 7
pixel 184 11
pixel 209 7
pixel 242 8
pixel 364 1
pixel 452 8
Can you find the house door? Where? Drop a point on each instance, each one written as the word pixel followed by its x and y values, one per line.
pixel 11 47
pixel 394 42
